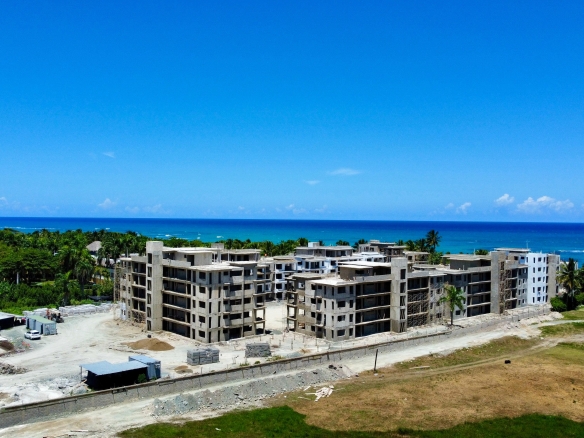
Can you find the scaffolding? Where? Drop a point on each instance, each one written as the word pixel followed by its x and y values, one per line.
pixel 424 306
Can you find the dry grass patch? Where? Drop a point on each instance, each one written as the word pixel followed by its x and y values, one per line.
pixel 497 348
pixel 550 382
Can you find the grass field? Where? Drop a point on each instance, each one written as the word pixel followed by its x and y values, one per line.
pixel 574 314
pixel 469 393
pixel 286 423
pixel 568 329
pixel 492 349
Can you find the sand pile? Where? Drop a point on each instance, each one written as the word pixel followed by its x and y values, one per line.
pixel 183 369
pixel 151 344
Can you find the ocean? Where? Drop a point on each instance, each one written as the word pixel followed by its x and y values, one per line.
pixel 566 239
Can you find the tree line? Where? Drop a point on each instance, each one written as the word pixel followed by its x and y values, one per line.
pixel 55 268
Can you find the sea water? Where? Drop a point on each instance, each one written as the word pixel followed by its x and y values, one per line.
pixel 566 239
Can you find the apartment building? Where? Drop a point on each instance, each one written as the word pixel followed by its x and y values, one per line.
pixel 367 297
pixel 280 267
pixel 540 276
pixel 206 294
pixel 387 249
pixel 320 259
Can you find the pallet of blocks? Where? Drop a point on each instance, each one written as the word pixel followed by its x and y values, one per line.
pixel 202 356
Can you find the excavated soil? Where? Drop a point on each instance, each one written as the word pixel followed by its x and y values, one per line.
pixel 6 346
pixel 151 344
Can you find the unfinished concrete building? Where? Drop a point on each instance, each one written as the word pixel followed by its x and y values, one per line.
pixel 366 298
pixel 207 294
pixel 387 249
pixel 281 268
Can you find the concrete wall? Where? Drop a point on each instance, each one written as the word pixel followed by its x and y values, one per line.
pixel 27 413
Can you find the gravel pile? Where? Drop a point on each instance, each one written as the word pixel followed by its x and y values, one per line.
pixel 247 393
pixel 6 368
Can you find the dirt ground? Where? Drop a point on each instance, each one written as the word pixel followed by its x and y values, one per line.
pixel 86 339
pixel 538 380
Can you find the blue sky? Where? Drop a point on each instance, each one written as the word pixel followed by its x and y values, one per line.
pixel 397 110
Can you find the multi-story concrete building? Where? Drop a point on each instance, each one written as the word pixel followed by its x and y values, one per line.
pixel 207 294
pixel 540 276
pixel 280 267
pixel 366 298
pixel 387 249
pixel 213 294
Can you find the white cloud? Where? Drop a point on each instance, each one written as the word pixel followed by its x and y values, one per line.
pixel 3 200
pixel 107 204
pixel 240 208
pixel 462 208
pixel 110 154
pixel 449 206
pixel 345 171
pixel 290 207
pixel 154 209
pixel 132 209
pixel 298 211
pixel 321 210
pixel 312 182
pixel 505 200
pixel 544 203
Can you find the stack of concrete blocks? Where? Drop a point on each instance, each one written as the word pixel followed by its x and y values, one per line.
pixel 202 356
pixel 257 349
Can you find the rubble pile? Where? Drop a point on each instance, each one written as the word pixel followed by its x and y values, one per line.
pixel 6 368
pixel 246 394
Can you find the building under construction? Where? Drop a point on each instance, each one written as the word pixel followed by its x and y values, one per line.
pixel 367 297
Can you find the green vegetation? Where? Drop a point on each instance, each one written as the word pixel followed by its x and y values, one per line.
pixel 568 329
pixel 496 348
pixel 453 297
pixel 50 268
pixel 286 423
pixel 574 314
pixel 568 353
pixel 573 281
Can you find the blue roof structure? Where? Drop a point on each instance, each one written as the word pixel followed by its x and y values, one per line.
pixel 104 367
pixel 143 359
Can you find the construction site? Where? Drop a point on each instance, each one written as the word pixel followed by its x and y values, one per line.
pixel 50 368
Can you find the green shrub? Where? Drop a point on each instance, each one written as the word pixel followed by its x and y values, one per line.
pixel 579 299
pixel 558 305
pixel 141 378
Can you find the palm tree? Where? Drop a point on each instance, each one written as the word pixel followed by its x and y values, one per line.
pixel 421 245
pixel 454 297
pixel 433 239
pixel 84 271
pixel 410 245
pixel 569 277
pixel 66 283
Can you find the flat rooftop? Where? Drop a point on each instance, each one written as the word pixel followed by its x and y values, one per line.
pixel 466 257
pixel 104 367
pixel 364 264
pixel 524 250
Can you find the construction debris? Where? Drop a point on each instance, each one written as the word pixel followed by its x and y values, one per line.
pixel 6 368
pixel 323 392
